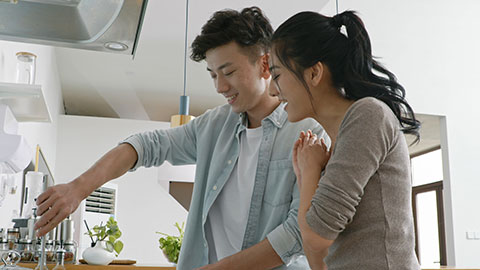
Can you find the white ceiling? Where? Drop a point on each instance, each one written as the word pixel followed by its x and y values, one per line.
pixel 148 87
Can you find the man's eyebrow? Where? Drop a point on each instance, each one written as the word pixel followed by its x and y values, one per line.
pixel 221 67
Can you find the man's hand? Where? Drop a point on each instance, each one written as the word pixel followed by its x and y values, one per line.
pixel 55 204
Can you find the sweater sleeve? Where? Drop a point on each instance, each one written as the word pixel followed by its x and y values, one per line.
pixel 364 139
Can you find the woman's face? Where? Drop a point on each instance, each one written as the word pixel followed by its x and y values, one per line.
pixel 289 89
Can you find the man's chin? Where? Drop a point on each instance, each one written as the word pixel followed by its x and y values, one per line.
pixel 237 109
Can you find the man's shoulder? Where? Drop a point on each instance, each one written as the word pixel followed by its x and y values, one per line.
pixel 219 113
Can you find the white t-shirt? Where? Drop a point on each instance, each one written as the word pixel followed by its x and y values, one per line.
pixel 225 228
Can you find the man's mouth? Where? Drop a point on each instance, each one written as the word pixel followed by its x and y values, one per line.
pixel 231 98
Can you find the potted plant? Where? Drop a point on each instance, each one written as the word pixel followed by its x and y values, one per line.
pixel 170 244
pixel 106 245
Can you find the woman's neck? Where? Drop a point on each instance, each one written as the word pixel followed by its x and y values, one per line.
pixel 330 113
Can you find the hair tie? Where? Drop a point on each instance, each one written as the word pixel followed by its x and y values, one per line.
pixel 338 23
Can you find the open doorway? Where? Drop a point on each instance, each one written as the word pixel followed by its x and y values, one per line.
pixel 430 188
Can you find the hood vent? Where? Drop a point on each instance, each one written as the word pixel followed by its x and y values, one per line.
pixel 84 24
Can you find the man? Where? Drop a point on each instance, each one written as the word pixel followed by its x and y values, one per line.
pixel 245 199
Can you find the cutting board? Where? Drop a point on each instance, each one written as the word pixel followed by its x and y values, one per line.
pixel 121 262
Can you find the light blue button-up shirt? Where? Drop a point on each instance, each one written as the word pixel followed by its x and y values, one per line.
pixel 211 141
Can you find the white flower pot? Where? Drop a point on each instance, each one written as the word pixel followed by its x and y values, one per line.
pixel 98 255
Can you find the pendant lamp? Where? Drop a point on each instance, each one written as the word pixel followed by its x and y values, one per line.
pixel 183 117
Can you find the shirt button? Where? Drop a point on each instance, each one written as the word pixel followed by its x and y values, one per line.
pixel 229 162
pixel 215 187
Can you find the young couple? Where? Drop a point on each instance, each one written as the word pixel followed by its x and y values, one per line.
pixel 267 189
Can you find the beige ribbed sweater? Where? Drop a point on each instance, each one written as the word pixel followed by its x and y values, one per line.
pixel 364 197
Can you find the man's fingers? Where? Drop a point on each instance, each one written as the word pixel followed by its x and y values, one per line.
pixel 44 196
pixel 52 223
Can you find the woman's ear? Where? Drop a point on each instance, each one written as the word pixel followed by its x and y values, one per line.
pixel 316 73
pixel 265 66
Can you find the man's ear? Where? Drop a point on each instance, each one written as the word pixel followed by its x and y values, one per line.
pixel 265 66
pixel 316 73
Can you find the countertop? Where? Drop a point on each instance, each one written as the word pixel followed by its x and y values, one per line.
pixel 102 267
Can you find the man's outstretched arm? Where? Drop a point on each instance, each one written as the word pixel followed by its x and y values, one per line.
pixel 59 201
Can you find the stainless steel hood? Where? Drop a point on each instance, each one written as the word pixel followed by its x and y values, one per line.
pixel 99 25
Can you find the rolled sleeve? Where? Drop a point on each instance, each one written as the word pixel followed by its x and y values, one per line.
pixel 137 145
pixel 285 244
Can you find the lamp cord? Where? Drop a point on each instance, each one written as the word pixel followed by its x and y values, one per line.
pixel 185 54
pixel 336 5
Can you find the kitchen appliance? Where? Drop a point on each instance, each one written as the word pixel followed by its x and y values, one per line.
pixel 106 25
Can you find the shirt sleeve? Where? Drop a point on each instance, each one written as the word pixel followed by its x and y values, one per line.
pixel 364 139
pixel 175 145
pixel 286 239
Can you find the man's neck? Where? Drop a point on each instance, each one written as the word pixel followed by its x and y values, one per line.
pixel 255 117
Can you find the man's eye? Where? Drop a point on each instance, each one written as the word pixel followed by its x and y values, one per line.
pixel 213 76
pixel 229 73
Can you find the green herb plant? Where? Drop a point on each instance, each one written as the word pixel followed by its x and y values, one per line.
pixel 111 232
pixel 170 245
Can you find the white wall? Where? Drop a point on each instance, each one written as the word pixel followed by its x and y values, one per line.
pixel 433 48
pixel 44 134
pixel 144 206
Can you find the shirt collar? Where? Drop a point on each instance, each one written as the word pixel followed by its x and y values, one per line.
pixel 278 118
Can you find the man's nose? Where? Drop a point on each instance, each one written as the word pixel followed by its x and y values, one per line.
pixel 222 85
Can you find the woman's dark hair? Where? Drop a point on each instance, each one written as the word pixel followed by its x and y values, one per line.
pixel 250 28
pixel 342 44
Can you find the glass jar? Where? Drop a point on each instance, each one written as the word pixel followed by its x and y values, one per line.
pixel 25 248
pixel 49 251
pixel 26 67
pixel 70 252
pixel 13 234
pixel 3 246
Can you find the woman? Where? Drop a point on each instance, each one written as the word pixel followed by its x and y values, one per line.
pixel 357 213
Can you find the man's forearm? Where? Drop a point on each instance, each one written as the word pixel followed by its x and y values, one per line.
pixel 113 164
pixel 259 256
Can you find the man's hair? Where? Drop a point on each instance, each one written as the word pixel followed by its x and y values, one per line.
pixel 249 28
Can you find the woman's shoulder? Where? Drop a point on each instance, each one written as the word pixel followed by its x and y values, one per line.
pixel 370 108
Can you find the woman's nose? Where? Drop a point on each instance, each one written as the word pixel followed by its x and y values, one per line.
pixel 273 90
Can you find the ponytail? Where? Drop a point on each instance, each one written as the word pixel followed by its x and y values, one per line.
pixel 342 43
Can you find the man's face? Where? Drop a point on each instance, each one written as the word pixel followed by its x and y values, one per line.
pixel 241 82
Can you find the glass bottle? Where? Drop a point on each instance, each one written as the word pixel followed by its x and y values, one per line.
pixel 49 251
pixel 25 248
pixel 3 246
pixel 42 260
pixel 26 67
pixel 60 259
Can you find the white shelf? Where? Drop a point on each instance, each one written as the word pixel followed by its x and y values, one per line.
pixel 26 102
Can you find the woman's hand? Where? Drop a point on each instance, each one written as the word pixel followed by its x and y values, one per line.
pixel 310 156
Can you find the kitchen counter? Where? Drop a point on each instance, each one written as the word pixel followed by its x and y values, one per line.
pixel 102 267
pixel 448 267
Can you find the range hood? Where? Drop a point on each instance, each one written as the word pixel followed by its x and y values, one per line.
pixel 99 25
